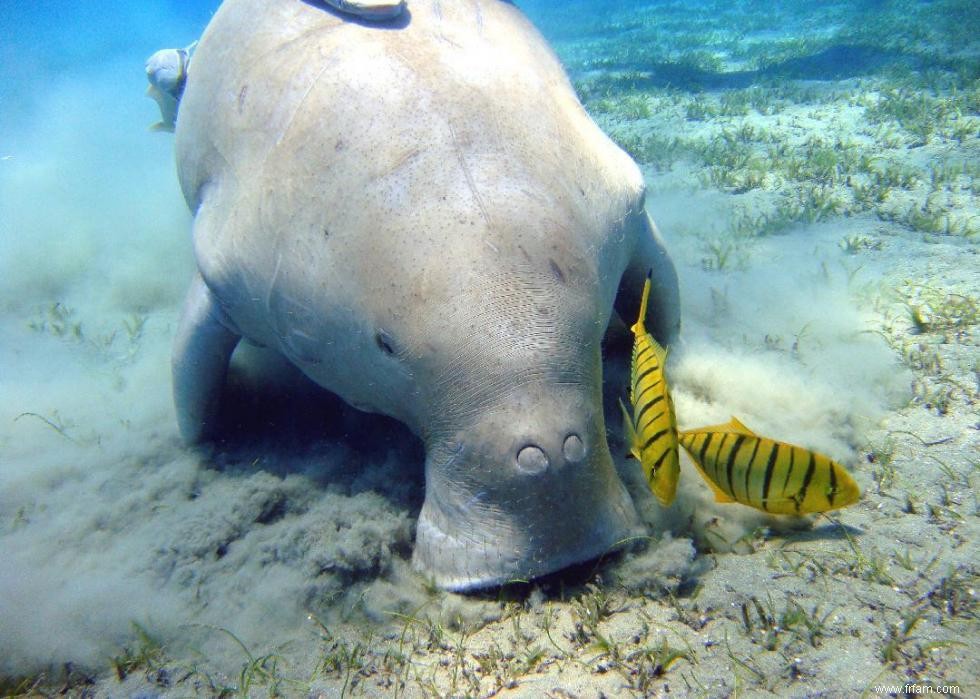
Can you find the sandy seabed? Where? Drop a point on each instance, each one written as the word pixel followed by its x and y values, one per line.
pixel 821 207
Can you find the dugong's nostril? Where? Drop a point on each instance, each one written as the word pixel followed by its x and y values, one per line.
pixel 573 449
pixel 532 460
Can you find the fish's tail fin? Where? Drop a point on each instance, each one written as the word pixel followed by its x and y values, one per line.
pixel 639 327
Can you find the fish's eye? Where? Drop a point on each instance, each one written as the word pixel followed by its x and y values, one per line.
pixel 385 342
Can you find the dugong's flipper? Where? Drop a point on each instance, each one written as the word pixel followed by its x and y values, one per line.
pixel 369 9
pixel 166 71
pixel 202 351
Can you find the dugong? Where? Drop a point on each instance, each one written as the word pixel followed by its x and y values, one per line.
pixel 421 217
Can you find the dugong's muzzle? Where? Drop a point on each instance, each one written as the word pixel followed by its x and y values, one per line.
pixel 526 488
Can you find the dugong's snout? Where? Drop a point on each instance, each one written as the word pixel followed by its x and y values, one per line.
pixel 527 489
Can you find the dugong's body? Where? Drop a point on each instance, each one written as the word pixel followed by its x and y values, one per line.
pixel 423 219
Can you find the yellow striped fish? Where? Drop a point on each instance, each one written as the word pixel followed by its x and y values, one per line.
pixel 651 432
pixel 771 476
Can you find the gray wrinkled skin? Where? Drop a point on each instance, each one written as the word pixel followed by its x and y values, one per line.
pixel 422 218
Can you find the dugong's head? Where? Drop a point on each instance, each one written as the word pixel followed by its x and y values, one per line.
pixel 519 478
pixel 526 485
pixel 493 356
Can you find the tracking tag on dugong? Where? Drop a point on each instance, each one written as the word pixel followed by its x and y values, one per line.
pixel 166 71
pixel 371 10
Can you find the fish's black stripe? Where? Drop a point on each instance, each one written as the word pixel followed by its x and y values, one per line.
pixel 806 481
pixel 704 448
pixel 659 461
pixel 731 463
pixel 641 364
pixel 716 463
pixel 645 374
pixel 653 438
pixel 651 421
pixel 643 350
pixel 833 485
pixel 640 394
pixel 789 471
pixel 644 408
pixel 770 467
pixel 750 468
pixel 644 344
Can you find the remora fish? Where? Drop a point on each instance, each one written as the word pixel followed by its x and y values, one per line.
pixel 652 430
pixel 771 476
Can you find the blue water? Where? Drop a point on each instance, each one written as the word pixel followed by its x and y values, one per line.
pixel 736 112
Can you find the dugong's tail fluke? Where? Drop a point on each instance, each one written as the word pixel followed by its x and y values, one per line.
pixel 202 350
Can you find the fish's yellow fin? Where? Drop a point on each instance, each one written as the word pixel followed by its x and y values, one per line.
pixel 639 327
pixel 629 431
pixel 720 495
pixel 736 426
pixel 733 426
pixel 658 350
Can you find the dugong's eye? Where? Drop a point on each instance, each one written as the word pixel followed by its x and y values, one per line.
pixel 385 342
